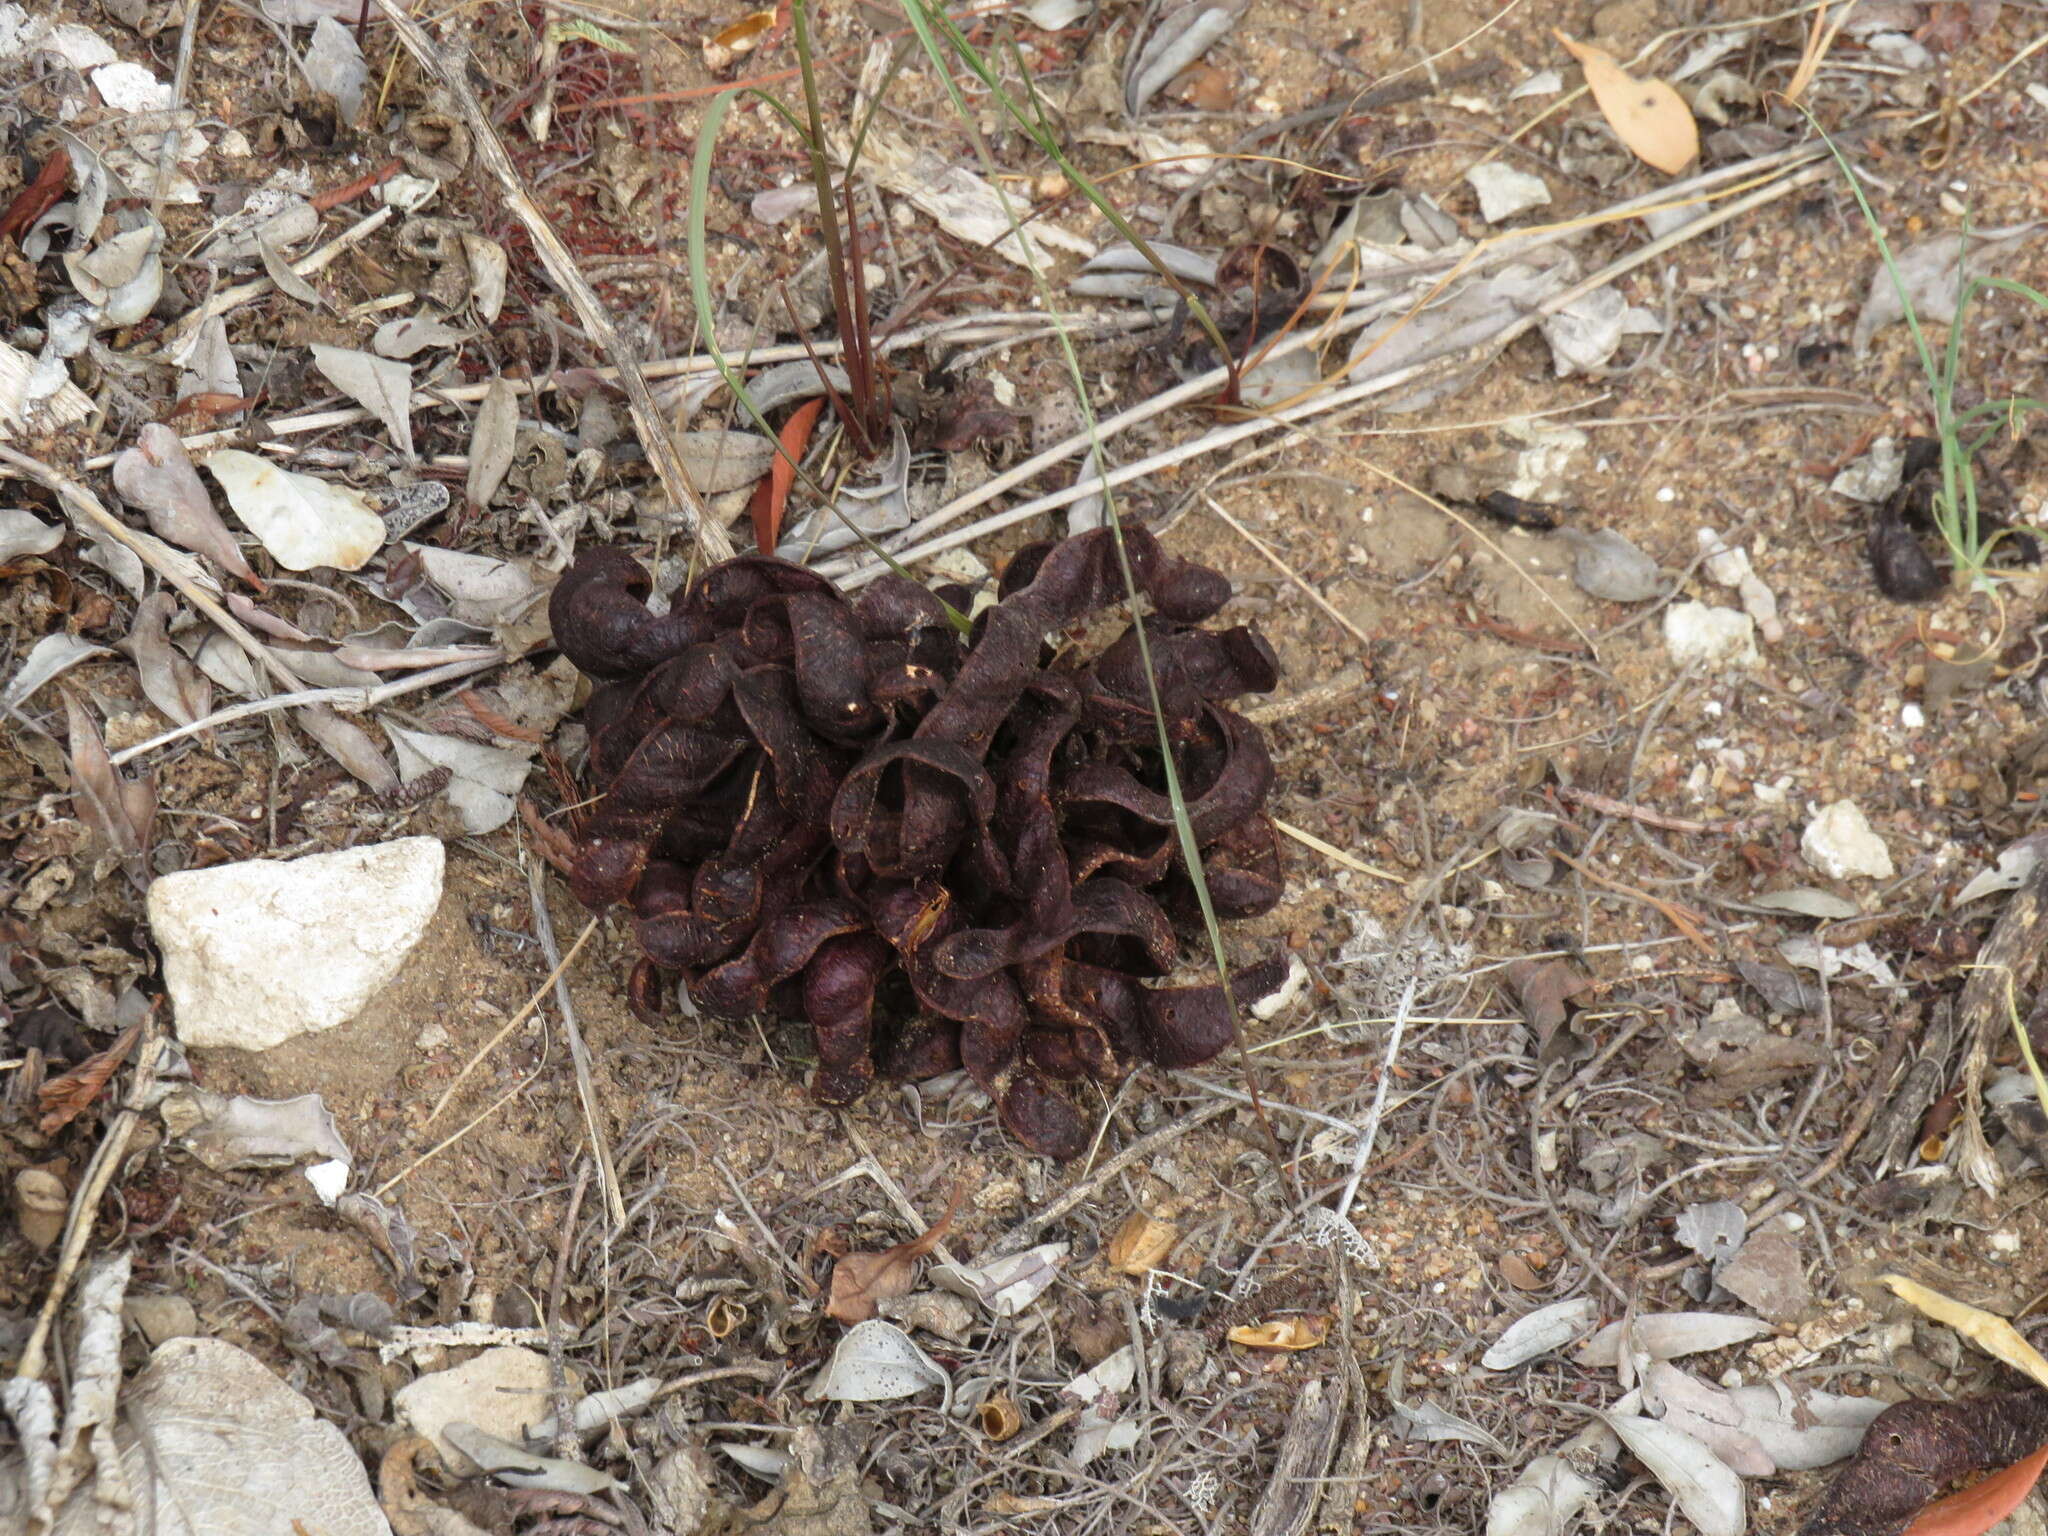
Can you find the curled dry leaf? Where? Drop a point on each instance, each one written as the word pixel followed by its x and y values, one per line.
pixel 492 441
pixel 156 477
pixel 380 385
pixel 349 745
pixel 859 1280
pixel 1282 1333
pixel 1542 1332
pixel 1707 1491
pixel 1141 1244
pixel 1648 116
pixel 875 1362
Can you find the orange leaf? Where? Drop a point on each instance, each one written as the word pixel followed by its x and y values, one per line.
pixel 1141 1244
pixel 1283 1333
pixel 861 1279
pixel 1648 116
pixel 64 1099
pixel 743 34
pixel 771 496
pixel 1976 1509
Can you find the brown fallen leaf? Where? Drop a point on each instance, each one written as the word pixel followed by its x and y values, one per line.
pixel 1282 1333
pixel 122 810
pixel 64 1099
pixel 1648 116
pixel 861 1279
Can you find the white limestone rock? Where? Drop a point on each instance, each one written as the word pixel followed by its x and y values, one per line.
pixel 1841 845
pixel 1696 634
pixel 261 952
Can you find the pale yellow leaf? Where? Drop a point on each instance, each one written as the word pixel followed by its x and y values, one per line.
pixel 1141 1244
pixel 1987 1330
pixel 1648 116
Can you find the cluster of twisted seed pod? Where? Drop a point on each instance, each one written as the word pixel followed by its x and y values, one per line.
pixel 937 850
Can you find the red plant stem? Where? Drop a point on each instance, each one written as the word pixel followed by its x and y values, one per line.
pixel 334 197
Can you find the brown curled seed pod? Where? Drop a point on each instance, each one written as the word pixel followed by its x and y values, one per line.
pixel 936 851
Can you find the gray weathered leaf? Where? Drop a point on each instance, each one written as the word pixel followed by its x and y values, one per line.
pixel 379 385
pixel 875 1362
pixel 336 68
pixel 1805 901
pixel 1668 1335
pixel 278 267
pixel 483 780
pixel 1542 1332
pixel 234 1131
pixel 488 269
pixel 414 333
pixel 1708 1493
pixel 156 477
pixel 349 745
pixel 50 656
pixel 492 441
pixel 1180 38
pixel 23 533
pixel 169 681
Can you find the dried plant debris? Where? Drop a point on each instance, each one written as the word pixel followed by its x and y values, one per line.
pixel 938 852
pixel 1897 540
pixel 1914 1450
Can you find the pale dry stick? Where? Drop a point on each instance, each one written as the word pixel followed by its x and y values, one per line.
pixel 347 700
pixel 1332 851
pixel 78 1221
pixel 438 1148
pixel 1330 1122
pixel 1345 683
pixel 1820 37
pixel 1370 1132
pixel 450 69
pixel 1003 324
pixel 187 325
pixel 1024 1231
pixel 851 574
pixel 533 1002
pixel 82 505
pixel 174 135
pixel 579 1053
pixel 1273 559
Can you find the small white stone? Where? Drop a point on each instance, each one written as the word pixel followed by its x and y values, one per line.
pixel 1717 638
pixel 1840 844
pixel 1728 564
pixel 1504 191
pixel 1912 717
pixel 1288 990
pixel 260 952
pixel 1666 493
pixel 2005 1243
pixel 328 1179
pixel 132 88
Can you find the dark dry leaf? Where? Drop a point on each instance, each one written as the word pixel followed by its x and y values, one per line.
pixel 1545 988
pixel 859 1280
pixel 1914 1450
pixel 937 853
pixel 64 1099
pixel 169 681
pixel 121 810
